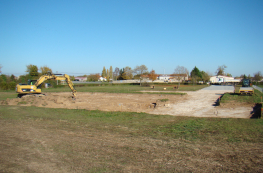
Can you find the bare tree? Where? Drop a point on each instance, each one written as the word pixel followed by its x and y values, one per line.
pixel 1 68
pixel 139 70
pixel 180 73
pixel 116 73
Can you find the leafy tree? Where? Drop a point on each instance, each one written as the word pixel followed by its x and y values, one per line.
pixel 152 75
pixel 45 70
pixel 23 79
pixel 111 73
pixel 229 75
pixel 205 76
pixel 221 70
pixel 257 76
pixel 194 79
pixel 4 78
pixel 108 75
pixel 32 70
pixel 196 73
pixel 4 86
pixel 121 74
pixel 103 74
pixel 72 78
pixel 127 73
pixel 243 76
pixel 12 85
pixel 12 78
pixel 93 77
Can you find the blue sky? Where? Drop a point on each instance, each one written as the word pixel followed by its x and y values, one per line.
pixel 80 37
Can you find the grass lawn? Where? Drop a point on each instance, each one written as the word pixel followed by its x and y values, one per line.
pixel 37 139
pixel 95 141
pixel 255 98
pixel 127 88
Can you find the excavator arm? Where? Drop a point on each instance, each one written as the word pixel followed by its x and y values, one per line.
pixel 69 82
pixel 54 77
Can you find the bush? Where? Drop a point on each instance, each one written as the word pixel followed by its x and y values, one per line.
pixel 4 86
pixel 12 86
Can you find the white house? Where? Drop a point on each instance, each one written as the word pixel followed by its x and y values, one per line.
pixel 82 79
pixel 223 79
pixel 102 79
pixel 164 78
pixel 173 77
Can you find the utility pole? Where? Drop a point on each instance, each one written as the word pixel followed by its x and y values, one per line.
pixel 57 80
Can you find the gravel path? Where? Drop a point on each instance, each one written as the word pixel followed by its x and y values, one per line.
pixel 202 103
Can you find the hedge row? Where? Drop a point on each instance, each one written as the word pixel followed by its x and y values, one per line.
pixel 8 86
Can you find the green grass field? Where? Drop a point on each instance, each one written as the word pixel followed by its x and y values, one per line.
pixel 123 88
pixel 34 139
pixel 255 98
pixel 96 141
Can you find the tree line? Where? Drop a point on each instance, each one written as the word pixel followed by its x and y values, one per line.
pixel 126 73
pixel 8 82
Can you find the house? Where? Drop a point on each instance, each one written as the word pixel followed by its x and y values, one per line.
pixel 223 79
pixel 164 78
pixel 179 77
pixel 173 77
pixel 81 79
pixel 102 79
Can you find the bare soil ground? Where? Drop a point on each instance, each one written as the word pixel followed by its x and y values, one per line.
pixel 202 103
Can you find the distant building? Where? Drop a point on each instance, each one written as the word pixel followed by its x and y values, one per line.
pixel 102 79
pixel 223 79
pixel 164 78
pixel 81 79
pixel 173 77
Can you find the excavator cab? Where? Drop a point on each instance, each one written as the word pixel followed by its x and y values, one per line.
pixel 246 83
pixel 32 82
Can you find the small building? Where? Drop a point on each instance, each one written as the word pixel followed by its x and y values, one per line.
pixel 173 77
pixel 223 79
pixel 81 79
pixel 102 79
pixel 164 78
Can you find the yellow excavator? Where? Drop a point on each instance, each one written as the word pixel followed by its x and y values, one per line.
pixel 35 89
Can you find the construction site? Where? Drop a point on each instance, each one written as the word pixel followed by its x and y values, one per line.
pixel 200 103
